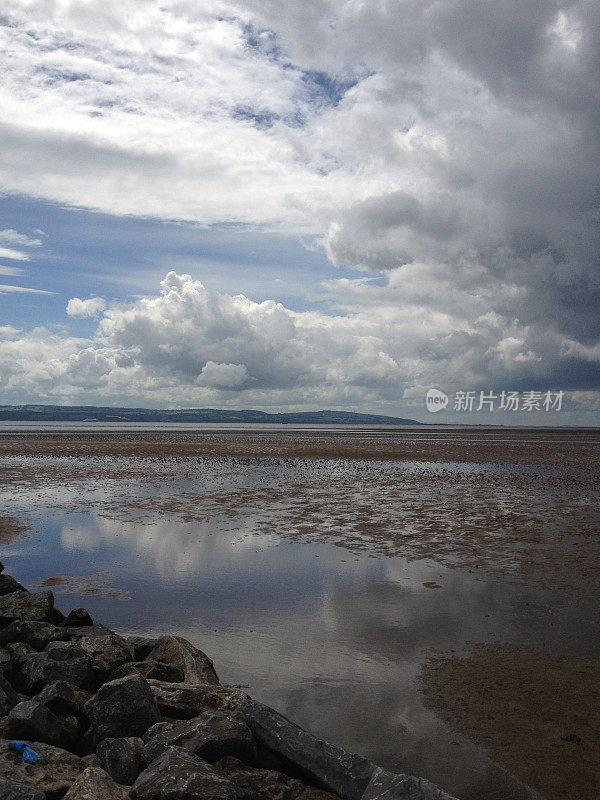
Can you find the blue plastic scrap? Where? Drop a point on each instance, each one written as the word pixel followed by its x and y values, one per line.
pixel 29 755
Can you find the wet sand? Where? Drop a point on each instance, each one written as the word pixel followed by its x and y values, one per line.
pixel 536 714
pixel 556 446
pixel 502 508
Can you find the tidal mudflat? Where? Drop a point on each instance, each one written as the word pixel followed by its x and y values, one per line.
pixel 418 596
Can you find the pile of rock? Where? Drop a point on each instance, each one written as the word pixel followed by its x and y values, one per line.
pixel 115 718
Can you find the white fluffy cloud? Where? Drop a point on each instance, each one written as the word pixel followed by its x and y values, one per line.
pixel 389 342
pixel 85 308
pixel 451 145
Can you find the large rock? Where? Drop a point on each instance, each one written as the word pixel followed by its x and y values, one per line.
pixel 124 707
pixel 212 735
pixel 386 785
pixel 52 774
pixel 25 605
pixel 266 784
pixel 9 584
pixel 79 631
pixel 8 697
pixel 151 669
pixel 59 662
pixel 95 784
pixel 78 617
pixel 196 665
pixel 36 634
pixel 142 646
pixel 181 701
pixel 305 756
pixel 54 716
pixel 179 775
pixel 121 758
pixel 105 652
pixel 31 720
pixel 17 653
pixel 64 698
pixel 10 790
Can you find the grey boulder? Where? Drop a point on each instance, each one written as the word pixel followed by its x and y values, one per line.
pixel 34 633
pixel 10 790
pixel 59 662
pixel 320 762
pixel 182 701
pixel 9 584
pixel 53 774
pixel 196 665
pixel 28 605
pixel 95 784
pixel 124 707
pixel 151 669
pixel 142 646
pixel 180 775
pixel 386 785
pixel 105 652
pixel 54 716
pixel 121 758
pixel 78 617
pixel 266 784
pixel 8 697
pixel 212 735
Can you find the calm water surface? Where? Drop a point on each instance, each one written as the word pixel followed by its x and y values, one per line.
pixel 328 631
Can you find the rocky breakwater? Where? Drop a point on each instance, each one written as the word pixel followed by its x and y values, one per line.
pixel 115 718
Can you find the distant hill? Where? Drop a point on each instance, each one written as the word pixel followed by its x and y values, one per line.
pixel 109 414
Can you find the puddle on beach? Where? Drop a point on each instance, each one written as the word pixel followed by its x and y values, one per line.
pixel 322 586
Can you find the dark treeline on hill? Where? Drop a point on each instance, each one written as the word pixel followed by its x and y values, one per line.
pixel 36 413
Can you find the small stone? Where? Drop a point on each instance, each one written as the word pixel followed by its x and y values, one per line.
pixel 78 617
pixel 121 758
pixel 179 775
pixel 124 707
pixel 197 666
pixel 95 784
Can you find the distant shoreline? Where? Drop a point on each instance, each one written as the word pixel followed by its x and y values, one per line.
pixel 106 414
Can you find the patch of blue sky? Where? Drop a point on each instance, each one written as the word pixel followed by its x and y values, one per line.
pixel 325 88
pixel 260 119
pixel 88 254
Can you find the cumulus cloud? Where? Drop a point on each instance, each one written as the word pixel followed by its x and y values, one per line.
pixel 85 308
pixel 222 376
pixel 449 145
pixel 386 345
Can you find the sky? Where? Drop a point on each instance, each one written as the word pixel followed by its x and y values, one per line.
pixel 297 206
